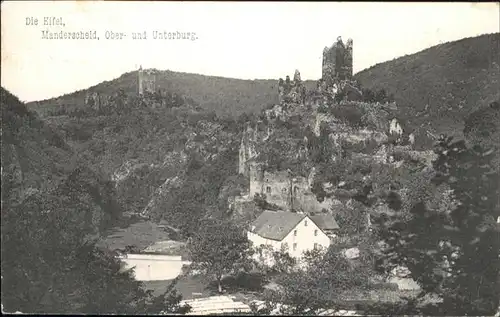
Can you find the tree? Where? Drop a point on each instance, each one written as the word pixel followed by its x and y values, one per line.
pixel 381 96
pixel 448 247
pixel 52 212
pixel 352 220
pixel 218 248
pixel 317 284
pixel 263 204
pixel 53 266
pixel 168 302
pixel 280 261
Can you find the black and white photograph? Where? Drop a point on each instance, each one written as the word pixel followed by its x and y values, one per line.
pixel 250 158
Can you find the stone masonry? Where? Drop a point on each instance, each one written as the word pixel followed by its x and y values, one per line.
pixel 147 81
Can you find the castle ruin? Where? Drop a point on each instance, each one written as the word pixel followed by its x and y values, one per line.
pixel 292 91
pixel 337 83
pixel 337 62
pixel 289 191
pixel 282 188
pixel 293 192
pixel 147 81
pixel 93 99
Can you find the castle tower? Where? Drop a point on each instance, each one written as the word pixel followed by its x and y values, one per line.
pixel 146 81
pixel 140 80
pixel 291 91
pixel 348 59
pixel 337 61
pixel 256 176
pixel 328 69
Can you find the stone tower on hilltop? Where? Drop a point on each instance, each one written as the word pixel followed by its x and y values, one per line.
pixel 337 61
pixel 147 81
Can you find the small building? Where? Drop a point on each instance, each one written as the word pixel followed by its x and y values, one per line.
pixel 160 261
pixel 326 222
pixel 215 305
pixel 284 230
pixel 154 267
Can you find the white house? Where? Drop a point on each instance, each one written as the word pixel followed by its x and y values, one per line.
pixel 159 261
pixel 154 267
pixel 282 229
pixel 326 222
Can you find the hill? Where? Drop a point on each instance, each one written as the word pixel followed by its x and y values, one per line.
pixel 53 207
pixel 155 145
pixel 438 87
pixel 483 127
pixel 225 96
pixel 37 163
pixel 434 89
pixel 163 153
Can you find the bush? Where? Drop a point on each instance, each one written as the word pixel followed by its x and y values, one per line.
pixel 349 114
pixel 322 109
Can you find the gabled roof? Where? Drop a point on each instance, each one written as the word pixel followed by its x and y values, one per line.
pixel 167 247
pixel 275 225
pixel 325 221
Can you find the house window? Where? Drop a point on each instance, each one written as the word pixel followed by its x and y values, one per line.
pixel 305 223
pixel 315 233
pixel 268 189
pixel 295 247
pixel 295 233
pixel 295 189
pixel 315 246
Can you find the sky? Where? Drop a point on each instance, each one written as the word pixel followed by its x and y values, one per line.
pixel 264 40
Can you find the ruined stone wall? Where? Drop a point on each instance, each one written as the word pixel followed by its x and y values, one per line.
pixel 291 92
pixel 323 118
pixel 308 202
pixel 99 101
pixel 256 176
pixel 276 187
pixel 93 100
pixel 244 209
pixel 277 112
pixel 282 189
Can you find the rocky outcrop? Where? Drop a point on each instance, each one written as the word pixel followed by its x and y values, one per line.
pixel 356 129
pixel 141 186
pixel 125 170
pixel 160 193
pixel 291 92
